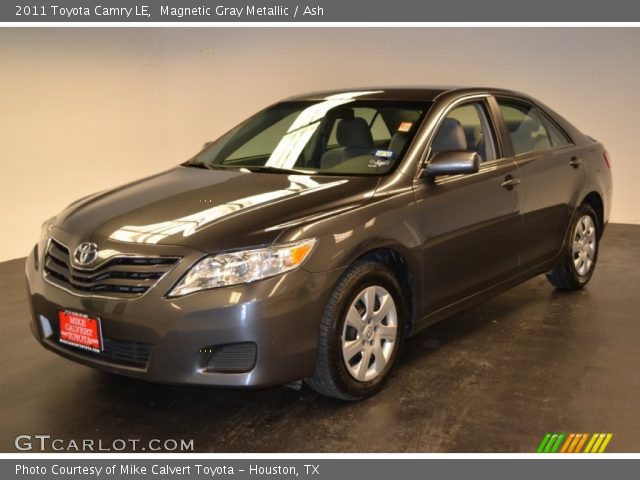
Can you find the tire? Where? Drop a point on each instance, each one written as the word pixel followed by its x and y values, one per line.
pixel 580 252
pixel 375 339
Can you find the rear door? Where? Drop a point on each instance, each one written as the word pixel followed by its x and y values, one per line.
pixel 551 177
pixel 470 224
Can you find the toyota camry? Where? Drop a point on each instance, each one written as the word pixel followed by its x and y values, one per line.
pixel 311 240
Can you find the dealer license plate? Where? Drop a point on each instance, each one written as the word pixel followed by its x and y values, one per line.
pixel 80 330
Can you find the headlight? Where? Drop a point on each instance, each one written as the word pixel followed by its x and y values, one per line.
pixel 244 266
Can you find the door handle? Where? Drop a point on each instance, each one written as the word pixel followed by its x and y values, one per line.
pixel 575 162
pixel 509 182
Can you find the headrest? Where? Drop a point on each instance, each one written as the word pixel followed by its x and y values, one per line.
pixel 398 142
pixel 526 127
pixel 450 137
pixel 354 133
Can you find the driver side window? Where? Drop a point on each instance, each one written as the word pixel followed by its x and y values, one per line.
pixel 466 128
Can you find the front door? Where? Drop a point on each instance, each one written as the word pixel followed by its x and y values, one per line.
pixel 470 224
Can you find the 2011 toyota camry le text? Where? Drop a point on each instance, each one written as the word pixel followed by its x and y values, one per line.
pixel 310 241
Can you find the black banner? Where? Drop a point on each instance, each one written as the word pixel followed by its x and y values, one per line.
pixel 317 469
pixel 317 11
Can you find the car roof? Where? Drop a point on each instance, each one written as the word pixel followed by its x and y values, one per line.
pixel 418 94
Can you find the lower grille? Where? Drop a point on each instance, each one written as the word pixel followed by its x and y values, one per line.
pixel 120 352
pixel 125 276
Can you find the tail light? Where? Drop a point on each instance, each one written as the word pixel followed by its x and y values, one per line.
pixel 607 160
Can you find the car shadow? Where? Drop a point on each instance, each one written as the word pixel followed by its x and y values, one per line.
pixel 90 403
pixel 417 349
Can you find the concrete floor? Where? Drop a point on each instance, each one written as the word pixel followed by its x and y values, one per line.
pixel 493 379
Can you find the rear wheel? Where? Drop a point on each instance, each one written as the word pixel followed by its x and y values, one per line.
pixel 361 333
pixel 581 252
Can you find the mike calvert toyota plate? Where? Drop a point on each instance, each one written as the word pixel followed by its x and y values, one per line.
pixel 311 240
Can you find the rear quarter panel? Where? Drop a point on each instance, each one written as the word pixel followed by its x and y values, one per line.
pixel 599 176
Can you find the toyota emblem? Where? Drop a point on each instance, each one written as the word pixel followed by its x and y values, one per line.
pixel 85 253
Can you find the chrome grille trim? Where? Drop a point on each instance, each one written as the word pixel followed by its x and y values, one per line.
pixel 119 277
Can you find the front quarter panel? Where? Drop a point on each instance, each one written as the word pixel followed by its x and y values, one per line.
pixel 387 221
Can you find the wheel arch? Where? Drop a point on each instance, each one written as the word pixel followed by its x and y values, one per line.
pixel 395 261
pixel 594 199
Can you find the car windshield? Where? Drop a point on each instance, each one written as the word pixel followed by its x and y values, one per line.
pixel 339 135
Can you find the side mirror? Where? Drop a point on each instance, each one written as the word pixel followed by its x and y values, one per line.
pixel 453 162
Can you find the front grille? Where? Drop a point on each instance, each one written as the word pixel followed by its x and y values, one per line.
pixel 121 352
pixel 126 276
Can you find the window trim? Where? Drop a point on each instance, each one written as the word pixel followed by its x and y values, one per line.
pixel 543 114
pixel 459 102
pixel 547 117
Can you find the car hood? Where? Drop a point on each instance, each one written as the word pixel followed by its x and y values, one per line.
pixel 210 209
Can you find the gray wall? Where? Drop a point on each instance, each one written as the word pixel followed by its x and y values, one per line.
pixel 82 110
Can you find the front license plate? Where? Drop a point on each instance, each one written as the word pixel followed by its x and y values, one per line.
pixel 80 330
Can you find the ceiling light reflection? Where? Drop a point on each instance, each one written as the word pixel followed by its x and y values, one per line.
pixel 289 148
pixel 190 224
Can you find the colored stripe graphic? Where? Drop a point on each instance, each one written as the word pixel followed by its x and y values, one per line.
pixel 556 446
pixel 581 442
pixel 574 443
pixel 607 439
pixel 543 443
pixel 591 442
pixel 550 443
pixel 567 443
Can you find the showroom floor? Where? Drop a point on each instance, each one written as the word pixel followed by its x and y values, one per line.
pixel 495 378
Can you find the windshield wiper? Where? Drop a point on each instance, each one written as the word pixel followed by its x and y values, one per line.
pixel 270 169
pixel 252 168
pixel 204 166
pixel 195 165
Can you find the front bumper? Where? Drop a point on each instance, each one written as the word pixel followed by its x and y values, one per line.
pixel 280 316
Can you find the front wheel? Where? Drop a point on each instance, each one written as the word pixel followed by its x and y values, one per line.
pixel 361 333
pixel 581 252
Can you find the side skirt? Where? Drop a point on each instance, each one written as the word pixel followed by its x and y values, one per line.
pixel 485 294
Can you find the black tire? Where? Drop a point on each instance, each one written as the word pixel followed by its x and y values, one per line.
pixel 566 276
pixel 332 377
